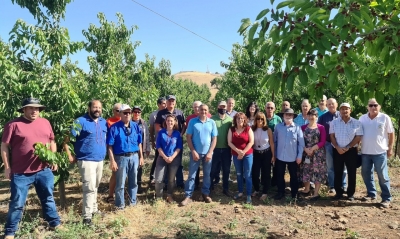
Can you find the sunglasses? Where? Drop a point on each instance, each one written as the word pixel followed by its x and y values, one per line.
pixel 116 110
pixel 126 113
pixel 259 119
pixel 137 112
pixel 373 105
pixel 270 108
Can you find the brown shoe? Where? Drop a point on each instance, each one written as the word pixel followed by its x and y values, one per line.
pixel 169 199
pixel 186 201
pixel 207 198
pixel 59 227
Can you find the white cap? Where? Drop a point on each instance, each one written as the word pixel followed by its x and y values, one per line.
pixel 324 97
pixel 124 107
pixel 345 105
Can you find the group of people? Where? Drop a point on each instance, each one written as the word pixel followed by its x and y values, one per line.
pixel 317 146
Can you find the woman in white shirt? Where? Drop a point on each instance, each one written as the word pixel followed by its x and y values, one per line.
pixel 263 154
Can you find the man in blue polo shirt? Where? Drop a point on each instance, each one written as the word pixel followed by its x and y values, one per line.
pixel 90 151
pixel 201 137
pixel 124 144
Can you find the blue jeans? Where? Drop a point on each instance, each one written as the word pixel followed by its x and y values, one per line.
pixel 127 167
pixel 243 170
pixel 379 162
pixel 193 167
pixel 44 186
pixel 221 159
pixel 179 173
pixel 330 168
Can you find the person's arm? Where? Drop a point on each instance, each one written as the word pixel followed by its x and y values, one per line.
pixel 212 147
pixel 300 145
pixel 147 136
pixel 113 164
pixel 231 145
pixel 357 137
pixel 195 155
pixel 271 144
pixel 141 161
pixel 5 155
pixel 275 139
pixel 250 143
pixel 322 139
pixel 390 146
pixel 72 158
pixel 152 136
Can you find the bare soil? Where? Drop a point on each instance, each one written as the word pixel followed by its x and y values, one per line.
pixel 199 78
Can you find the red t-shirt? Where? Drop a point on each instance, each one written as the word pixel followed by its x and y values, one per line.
pixel 112 120
pixel 241 140
pixel 22 134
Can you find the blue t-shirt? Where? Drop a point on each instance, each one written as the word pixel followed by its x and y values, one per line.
pixel 90 137
pixel 169 144
pixel 321 112
pixel 202 134
pixel 123 139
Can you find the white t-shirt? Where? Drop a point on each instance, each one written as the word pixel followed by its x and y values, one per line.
pixel 375 139
pixel 261 139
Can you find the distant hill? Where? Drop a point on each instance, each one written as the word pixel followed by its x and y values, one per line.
pixel 199 78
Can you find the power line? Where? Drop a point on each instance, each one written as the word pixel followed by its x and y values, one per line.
pixel 180 26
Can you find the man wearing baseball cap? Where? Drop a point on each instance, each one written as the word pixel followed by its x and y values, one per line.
pixel 345 133
pixel 24 168
pixel 222 153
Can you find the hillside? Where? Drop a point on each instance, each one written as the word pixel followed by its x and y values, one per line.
pixel 199 78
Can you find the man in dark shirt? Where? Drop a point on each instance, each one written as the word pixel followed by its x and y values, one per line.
pixel 161 115
pixel 325 120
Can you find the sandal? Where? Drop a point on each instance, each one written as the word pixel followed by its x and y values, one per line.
pixel 110 199
pixel 263 197
pixel 237 196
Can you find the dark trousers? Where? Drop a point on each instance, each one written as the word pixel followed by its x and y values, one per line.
pixel 273 179
pixel 139 177
pixel 261 163
pixel 221 159
pixel 339 161
pixel 280 179
pixel 153 165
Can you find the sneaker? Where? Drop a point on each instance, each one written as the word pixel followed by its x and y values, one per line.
pixel 87 222
pixel 248 200
pixel 332 190
pixel 385 204
pixel 207 198
pixel 169 199
pixel 9 237
pixel 254 194
pixel 227 193
pixel 344 189
pixel 263 197
pixel 186 201
pixel 350 198
pixel 59 227
pixel 368 198
pixel 99 213
pixel 337 197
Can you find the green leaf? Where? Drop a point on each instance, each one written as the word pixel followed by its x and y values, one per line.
pixel 252 31
pixel 394 84
pixel 284 4
pixel 326 43
pixel 349 72
pixel 262 14
pixel 304 39
pixel 339 20
pixel 290 81
pixel 333 80
pixel 303 77
pixel 312 73
pixel 245 24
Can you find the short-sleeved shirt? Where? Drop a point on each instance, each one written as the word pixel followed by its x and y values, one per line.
pixel 232 113
pixel 289 142
pixel 321 112
pixel 223 126
pixel 202 134
pixel 192 116
pixel 112 120
pixel 345 132
pixel 326 119
pixel 169 144
pixel 273 122
pixel 123 139
pixel 90 137
pixel 375 139
pixel 162 115
pixel 300 121
pixel 22 134
pixel 241 140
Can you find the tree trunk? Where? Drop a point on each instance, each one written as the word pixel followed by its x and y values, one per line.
pixel 397 138
pixel 63 199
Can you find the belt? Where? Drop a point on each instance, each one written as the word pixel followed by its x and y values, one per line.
pixel 127 154
pixel 261 151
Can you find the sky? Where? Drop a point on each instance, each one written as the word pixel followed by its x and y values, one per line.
pixel 215 20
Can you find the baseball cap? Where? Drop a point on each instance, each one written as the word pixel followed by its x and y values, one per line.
pixel 171 97
pixel 136 108
pixel 124 107
pixel 223 102
pixel 345 105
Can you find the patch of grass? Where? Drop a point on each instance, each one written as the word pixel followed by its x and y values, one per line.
pixel 394 162
pixel 189 213
pixel 267 201
pixel 262 230
pixel 28 224
pixel 351 234
pixel 232 224
pixel 248 206
pixel 117 225
pixel 232 202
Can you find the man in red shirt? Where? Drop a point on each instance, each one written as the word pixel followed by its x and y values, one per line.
pixel 24 168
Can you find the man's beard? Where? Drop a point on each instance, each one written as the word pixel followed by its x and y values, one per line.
pixel 93 114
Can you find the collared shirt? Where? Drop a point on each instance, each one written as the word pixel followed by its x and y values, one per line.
pixel 289 142
pixel 112 120
pixel 273 122
pixel 232 113
pixel 321 112
pixel 223 126
pixel 152 120
pixel 123 139
pixel 162 115
pixel 375 139
pixel 300 121
pixel 90 137
pixel 345 132
pixel 202 134
pixel 326 119
pixel 169 144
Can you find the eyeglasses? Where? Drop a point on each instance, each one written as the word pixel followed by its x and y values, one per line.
pixel 116 110
pixel 260 119
pixel 137 112
pixel 270 108
pixel 240 118
pixel 373 105
pixel 126 113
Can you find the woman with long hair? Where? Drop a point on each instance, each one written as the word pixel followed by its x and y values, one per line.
pixel 240 140
pixel 263 155
pixel 169 144
pixel 251 111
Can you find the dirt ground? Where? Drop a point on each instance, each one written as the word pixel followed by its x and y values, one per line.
pixel 225 218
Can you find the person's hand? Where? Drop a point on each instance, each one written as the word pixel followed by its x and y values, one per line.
pixel 389 152
pixel 141 162
pixel 147 154
pixel 208 157
pixel 113 166
pixel 72 159
pixel 168 160
pixel 7 173
pixel 341 150
pixel 153 145
pixel 298 160
pixel 54 167
pixel 240 157
pixel 195 155
pixel 273 160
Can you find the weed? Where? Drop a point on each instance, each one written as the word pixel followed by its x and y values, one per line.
pixel 262 230
pixel 28 225
pixel 351 235
pixel 394 162
pixel 231 202
pixel 117 225
pixel 232 224
pixel 248 206
pixel 267 201
pixel 204 214
pixel 189 213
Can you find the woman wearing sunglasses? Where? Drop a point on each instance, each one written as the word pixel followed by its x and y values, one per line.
pixel 168 144
pixel 264 155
